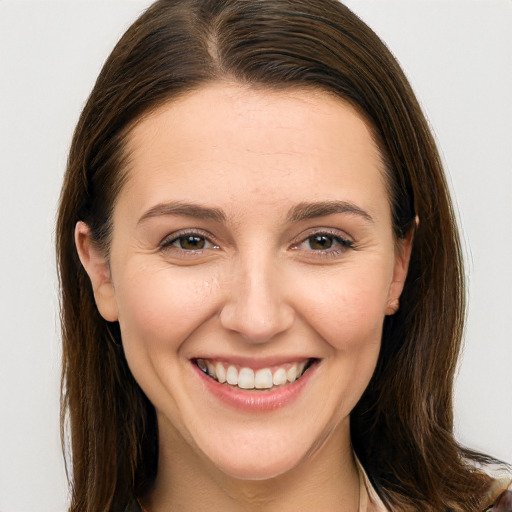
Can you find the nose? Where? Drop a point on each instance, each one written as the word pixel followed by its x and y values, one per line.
pixel 256 307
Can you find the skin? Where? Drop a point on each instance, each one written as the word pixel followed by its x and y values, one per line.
pixel 260 287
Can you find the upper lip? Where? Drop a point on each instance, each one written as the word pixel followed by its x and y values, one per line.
pixel 251 362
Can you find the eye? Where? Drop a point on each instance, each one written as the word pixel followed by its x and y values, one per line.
pixel 324 243
pixel 188 242
pixel 321 242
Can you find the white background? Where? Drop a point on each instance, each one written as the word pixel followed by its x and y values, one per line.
pixel 458 56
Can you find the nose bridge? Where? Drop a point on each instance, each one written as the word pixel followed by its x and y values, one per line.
pixel 256 305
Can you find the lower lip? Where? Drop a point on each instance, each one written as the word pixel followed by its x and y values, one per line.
pixel 256 400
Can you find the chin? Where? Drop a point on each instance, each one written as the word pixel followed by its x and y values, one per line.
pixel 257 458
pixel 258 470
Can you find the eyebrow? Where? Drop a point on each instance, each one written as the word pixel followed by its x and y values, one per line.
pixel 301 211
pixel 184 209
pixel 304 211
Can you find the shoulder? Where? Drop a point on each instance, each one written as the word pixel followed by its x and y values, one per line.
pixel 503 503
pixel 500 492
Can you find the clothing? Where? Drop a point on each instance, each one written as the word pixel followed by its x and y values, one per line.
pixel 369 500
pixel 499 495
pixel 133 506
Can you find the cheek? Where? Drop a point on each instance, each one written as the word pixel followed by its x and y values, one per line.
pixel 162 307
pixel 347 308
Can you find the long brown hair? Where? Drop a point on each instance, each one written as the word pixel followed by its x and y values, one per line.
pixel 402 426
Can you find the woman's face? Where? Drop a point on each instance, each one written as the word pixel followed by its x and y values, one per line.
pixel 252 241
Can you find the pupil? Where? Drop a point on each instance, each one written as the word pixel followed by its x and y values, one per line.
pixel 321 242
pixel 192 242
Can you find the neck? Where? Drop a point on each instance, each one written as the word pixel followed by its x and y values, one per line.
pixel 326 479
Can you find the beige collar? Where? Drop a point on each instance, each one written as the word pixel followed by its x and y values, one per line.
pixel 369 500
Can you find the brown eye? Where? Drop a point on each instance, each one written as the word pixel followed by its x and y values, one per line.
pixel 187 242
pixel 321 242
pixel 191 242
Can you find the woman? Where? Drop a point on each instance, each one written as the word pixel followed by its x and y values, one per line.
pixel 261 274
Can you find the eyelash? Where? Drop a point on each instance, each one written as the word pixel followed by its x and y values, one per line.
pixel 341 243
pixel 175 240
pixel 168 243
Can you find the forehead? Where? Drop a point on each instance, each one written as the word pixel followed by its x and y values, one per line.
pixel 223 139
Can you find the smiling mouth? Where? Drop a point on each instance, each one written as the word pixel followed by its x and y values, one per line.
pixel 248 378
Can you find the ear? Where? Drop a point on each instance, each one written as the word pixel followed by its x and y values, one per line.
pixel 98 270
pixel 402 258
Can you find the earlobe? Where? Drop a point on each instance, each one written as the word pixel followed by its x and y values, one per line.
pixel 392 307
pixel 98 270
pixel 402 258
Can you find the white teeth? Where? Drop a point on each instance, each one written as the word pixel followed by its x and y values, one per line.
pixel 221 372
pixel 291 374
pixel 279 377
pixel 246 378
pixel 232 376
pixel 263 379
pixel 210 369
